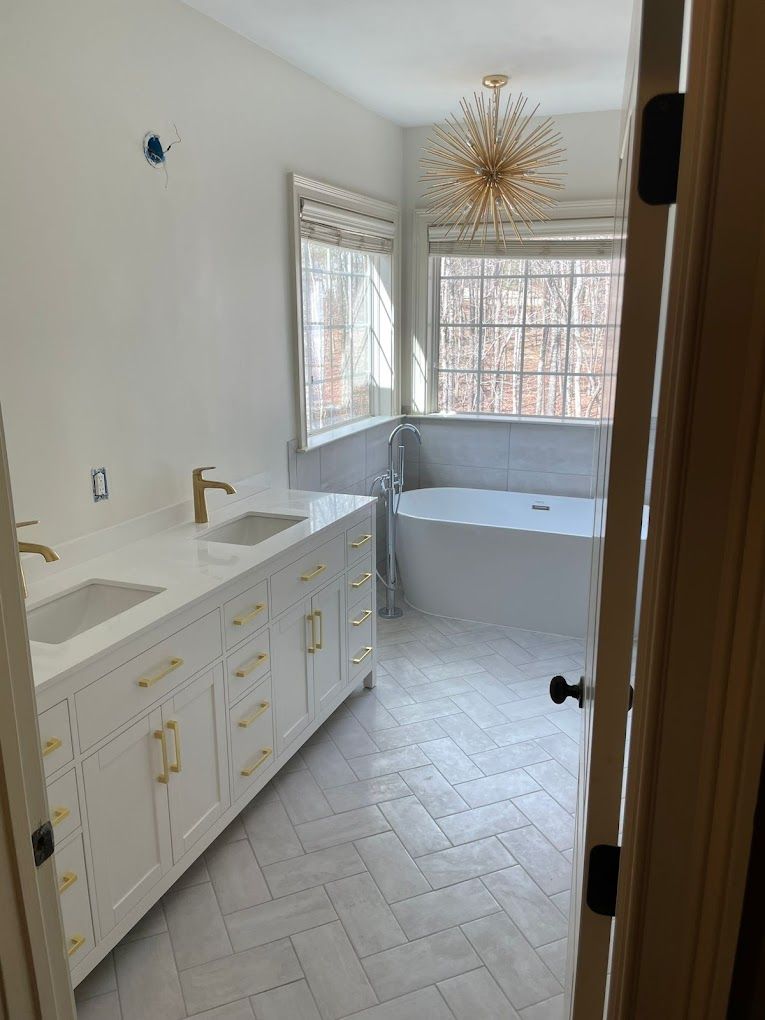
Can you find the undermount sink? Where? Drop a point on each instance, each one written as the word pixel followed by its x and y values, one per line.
pixel 77 610
pixel 250 529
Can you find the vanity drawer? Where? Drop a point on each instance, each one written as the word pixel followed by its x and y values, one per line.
pixel 245 614
pixel 360 579
pixel 247 666
pixel 359 639
pixel 359 541
pixel 55 737
pixel 135 686
pixel 306 575
pixel 75 901
pixel 64 806
pixel 252 737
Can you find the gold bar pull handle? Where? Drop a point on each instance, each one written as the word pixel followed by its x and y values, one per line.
pixel 67 879
pixel 360 658
pixel 51 745
pixel 364 616
pixel 164 776
pixel 175 726
pixel 149 681
pixel 250 719
pixel 361 580
pixel 320 640
pixel 318 569
pixel 74 943
pixel 59 814
pixel 312 647
pixel 245 618
pixel 264 755
pixel 360 541
pixel 252 665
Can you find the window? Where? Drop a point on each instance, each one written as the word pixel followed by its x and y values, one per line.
pixel 346 314
pixel 522 335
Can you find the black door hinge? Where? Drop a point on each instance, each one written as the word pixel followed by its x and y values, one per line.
pixel 660 139
pixel 603 879
pixel 42 843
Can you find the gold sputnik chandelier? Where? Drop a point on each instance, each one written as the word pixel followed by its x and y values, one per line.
pixel 491 168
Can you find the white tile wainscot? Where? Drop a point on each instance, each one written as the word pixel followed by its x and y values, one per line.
pixel 162 724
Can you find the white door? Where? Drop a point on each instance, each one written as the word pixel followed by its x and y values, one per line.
pixel 195 725
pixel 638 271
pixel 328 612
pixel 128 813
pixel 292 674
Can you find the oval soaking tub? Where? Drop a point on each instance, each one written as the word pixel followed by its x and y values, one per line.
pixel 510 558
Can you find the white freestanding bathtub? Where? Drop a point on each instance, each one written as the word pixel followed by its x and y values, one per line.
pixel 510 558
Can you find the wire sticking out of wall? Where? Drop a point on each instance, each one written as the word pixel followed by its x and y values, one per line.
pixel 156 153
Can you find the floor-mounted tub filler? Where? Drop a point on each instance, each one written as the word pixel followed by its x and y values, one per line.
pixel 391 484
pixel 510 558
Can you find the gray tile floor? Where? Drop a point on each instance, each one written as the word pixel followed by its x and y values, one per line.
pixel 412 861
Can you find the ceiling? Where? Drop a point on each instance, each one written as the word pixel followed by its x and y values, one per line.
pixel 411 60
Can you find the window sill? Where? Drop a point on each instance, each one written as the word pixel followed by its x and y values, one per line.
pixel 343 431
pixel 507 419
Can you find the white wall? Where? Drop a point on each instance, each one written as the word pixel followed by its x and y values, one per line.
pixel 146 329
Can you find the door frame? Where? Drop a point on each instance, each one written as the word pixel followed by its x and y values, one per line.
pixel 699 726
pixel 34 972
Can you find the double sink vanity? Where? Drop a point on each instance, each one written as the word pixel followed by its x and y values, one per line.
pixel 176 675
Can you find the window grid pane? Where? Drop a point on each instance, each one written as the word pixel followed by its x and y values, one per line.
pixel 522 336
pixel 337 309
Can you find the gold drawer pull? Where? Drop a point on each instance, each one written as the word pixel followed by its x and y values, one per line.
pixel 59 814
pixel 67 879
pixel 364 616
pixel 250 719
pixel 265 753
pixel 175 726
pixel 51 745
pixel 252 665
pixel 361 580
pixel 360 658
pixel 312 620
pixel 360 541
pixel 149 681
pixel 74 943
pixel 164 776
pixel 318 569
pixel 240 621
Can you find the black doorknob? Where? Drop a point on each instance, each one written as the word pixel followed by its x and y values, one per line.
pixel 560 689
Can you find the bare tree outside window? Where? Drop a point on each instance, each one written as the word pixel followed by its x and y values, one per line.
pixel 521 336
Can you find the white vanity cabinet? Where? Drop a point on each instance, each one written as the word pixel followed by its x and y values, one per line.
pixel 128 818
pixel 155 747
pixel 328 641
pixel 292 672
pixel 194 723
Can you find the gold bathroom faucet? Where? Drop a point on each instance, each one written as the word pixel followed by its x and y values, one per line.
pixel 200 486
pixel 33 547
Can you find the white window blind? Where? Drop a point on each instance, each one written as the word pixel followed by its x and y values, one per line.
pixel 344 228
pixel 561 239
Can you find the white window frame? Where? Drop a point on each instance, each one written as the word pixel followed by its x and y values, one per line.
pixel 423 335
pixel 306 189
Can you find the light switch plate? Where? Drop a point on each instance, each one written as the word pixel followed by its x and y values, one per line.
pixel 99 484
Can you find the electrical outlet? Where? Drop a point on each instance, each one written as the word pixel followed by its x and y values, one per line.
pixel 99 483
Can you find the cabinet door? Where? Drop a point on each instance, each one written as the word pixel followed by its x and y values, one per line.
pixel 126 796
pixel 292 675
pixel 195 728
pixel 328 611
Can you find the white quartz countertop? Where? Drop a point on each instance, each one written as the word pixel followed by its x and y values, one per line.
pixel 182 563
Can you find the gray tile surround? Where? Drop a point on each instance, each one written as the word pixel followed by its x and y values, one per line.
pixel 549 458
pixel 448 895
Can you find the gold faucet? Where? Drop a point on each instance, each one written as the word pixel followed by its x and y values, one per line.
pixel 32 547
pixel 200 485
